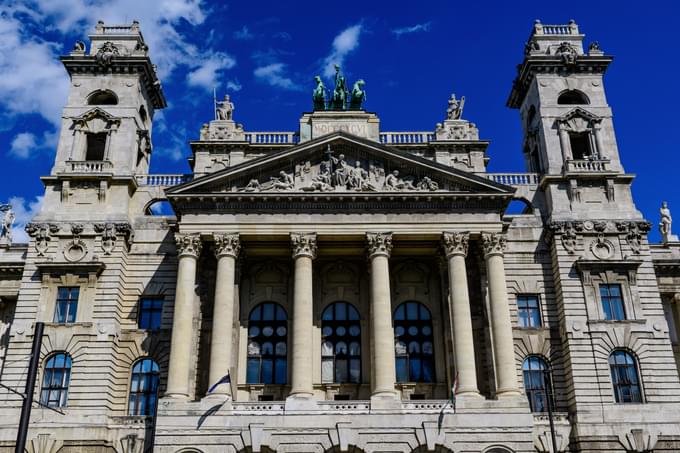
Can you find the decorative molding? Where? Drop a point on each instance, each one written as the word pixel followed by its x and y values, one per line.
pixel 303 244
pixel 42 232
pixel 494 243
pixel 455 243
pixel 568 232
pixel 602 248
pixel 227 245
pixel 635 232
pixel 638 440
pixel 188 244
pixel 379 244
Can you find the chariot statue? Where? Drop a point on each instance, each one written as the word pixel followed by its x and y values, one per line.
pixel 358 95
pixel 319 94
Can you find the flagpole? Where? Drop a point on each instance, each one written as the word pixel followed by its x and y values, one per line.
pixel 215 101
pixel 549 394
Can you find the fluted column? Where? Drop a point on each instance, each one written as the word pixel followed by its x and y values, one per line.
pixel 501 325
pixel 382 333
pixel 455 248
pixel 227 248
pixel 182 341
pixel 304 251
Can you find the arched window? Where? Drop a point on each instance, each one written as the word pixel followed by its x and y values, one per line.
pixel 534 369
pixel 56 377
pixel 102 97
pixel 144 388
pixel 341 344
pixel 414 349
pixel 625 377
pixel 267 345
pixel 573 97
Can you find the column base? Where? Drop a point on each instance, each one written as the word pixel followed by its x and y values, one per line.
pixel 176 396
pixel 508 393
pixel 300 402
pixel 469 394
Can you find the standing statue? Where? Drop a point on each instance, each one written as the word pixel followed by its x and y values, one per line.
pixel 7 223
pixel 339 101
pixel 319 94
pixel 666 221
pixel 225 109
pixel 358 95
pixel 455 109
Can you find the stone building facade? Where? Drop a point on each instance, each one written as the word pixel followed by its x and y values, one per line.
pixel 327 290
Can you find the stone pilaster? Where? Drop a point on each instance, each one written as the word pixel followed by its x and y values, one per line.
pixel 455 248
pixel 188 249
pixel 227 248
pixel 382 333
pixel 501 325
pixel 304 251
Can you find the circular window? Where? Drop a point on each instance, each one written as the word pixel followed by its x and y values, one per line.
pixel 340 331
pixel 413 330
pixel 399 331
pixel 354 331
pixel 427 330
pixel 327 330
pixel 268 331
pixel 280 331
pixel 254 331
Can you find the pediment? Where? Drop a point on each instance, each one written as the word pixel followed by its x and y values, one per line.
pixel 339 165
pixel 578 112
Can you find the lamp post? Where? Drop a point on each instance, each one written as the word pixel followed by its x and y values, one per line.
pixel 30 387
pixel 547 379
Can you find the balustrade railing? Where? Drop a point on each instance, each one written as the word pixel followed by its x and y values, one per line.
pixel 406 138
pixel 272 138
pixel 162 180
pixel 90 166
pixel 562 29
pixel 513 179
pixel 587 166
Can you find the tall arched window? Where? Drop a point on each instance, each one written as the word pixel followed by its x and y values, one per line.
pixel 267 345
pixel 341 344
pixel 625 377
pixel 414 349
pixel 144 387
pixel 56 377
pixel 572 97
pixel 534 369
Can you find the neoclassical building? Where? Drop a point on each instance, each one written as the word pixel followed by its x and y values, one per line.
pixel 341 288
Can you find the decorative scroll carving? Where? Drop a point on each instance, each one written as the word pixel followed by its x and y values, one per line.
pixel 493 243
pixel 455 243
pixel 379 244
pixel 42 233
pixel 227 245
pixel 188 244
pixel 303 244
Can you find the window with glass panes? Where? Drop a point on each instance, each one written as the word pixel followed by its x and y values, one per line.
pixel 267 345
pixel 150 311
pixel 144 388
pixel 56 378
pixel 67 304
pixel 414 347
pixel 533 370
pixel 340 344
pixel 612 302
pixel 528 310
pixel 625 377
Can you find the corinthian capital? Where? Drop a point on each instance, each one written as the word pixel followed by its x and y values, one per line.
pixel 188 244
pixel 455 243
pixel 227 245
pixel 303 244
pixel 493 243
pixel 379 244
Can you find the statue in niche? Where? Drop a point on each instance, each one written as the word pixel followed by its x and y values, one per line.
pixel 225 109
pixel 455 108
pixel 358 95
pixel 666 222
pixel 283 182
pixel 394 182
pixel 427 184
pixel 319 94
pixel 358 178
pixel 7 223
pixel 339 101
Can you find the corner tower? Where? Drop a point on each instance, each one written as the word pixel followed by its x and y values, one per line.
pixel 569 135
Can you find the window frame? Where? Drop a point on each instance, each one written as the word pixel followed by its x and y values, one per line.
pixel 410 339
pixel 272 357
pixel 618 394
pixel 49 373
pixel 538 309
pixel 534 394
pixel 609 299
pixel 71 306
pixel 159 311
pixel 347 339
pixel 142 397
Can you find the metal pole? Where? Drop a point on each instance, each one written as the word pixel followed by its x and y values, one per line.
pixel 549 396
pixel 30 386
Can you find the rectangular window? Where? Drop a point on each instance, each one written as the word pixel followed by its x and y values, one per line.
pixel 528 311
pixel 580 145
pixel 96 146
pixel 612 302
pixel 67 304
pixel 150 311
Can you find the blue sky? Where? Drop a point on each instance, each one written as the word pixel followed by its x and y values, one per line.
pixel 412 55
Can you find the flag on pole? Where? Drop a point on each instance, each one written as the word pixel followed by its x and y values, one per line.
pixel 226 379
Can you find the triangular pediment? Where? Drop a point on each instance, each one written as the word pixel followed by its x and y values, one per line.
pixel 578 112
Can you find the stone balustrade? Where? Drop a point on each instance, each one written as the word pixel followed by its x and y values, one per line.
pixel 563 29
pixel 162 180
pixel 587 166
pixel 406 138
pixel 272 138
pixel 90 166
pixel 513 179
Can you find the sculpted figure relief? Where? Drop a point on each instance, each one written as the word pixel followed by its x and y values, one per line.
pixel 455 108
pixel 394 182
pixel 106 53
pixel 225 109
pixel 283 182
pixel 7 223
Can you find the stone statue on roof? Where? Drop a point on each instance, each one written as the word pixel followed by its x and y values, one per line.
pixel 319 94
pixel 225 109
pixel 7 223
pixel 455 108
pixel 358 95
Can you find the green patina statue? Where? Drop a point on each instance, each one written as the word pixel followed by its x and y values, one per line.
pixel 319 94
pixel 339 101
pixel 358 95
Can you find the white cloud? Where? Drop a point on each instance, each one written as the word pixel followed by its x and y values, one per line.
pixel 243 34
pixel 274 75
pixel 207 74
pixel 23 145
pixel 412 29
pixel 343 44
pixel 234 85
pixel 24 212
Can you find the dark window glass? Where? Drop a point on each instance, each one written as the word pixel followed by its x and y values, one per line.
pixel 625 377
pixel 267 345
pixel 413 343
pixel 612 302
pixel 150 311
pixel 96 146
pixel 580 145
pixel 528 311
pixel 534 383
pixel 144 388
pixel 340 344
pixel 67 304
pixel 572 97
pixel 56 378
pixel 102 98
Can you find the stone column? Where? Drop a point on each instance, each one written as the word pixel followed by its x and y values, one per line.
pixel 455 248
pixel 304 251
pixel 597 132
pixel 227 248
pixel 182 341
pixel 382 333
pixel 501 326
pixel 564 142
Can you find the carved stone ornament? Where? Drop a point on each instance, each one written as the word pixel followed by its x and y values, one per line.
pixel 227 245
pixel 75 250
pixel 108 231
pixel 188 244
pixel 455 243
pixel 106 53
pixel 379 244
pixel 635 231
pixel 602 248
pixel 303 244
pixel 568 233
pixel 567 52
pixel 42 233
pixel 494 243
